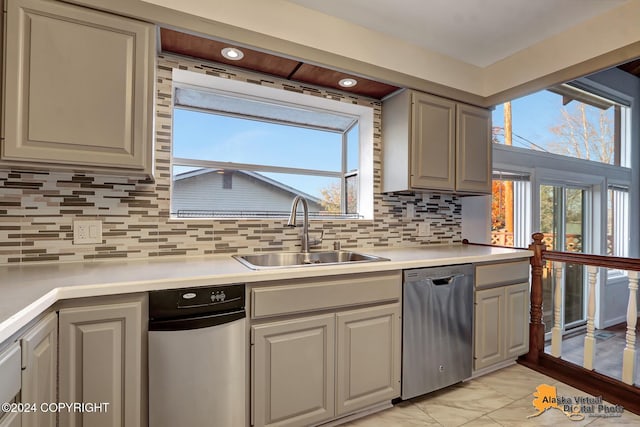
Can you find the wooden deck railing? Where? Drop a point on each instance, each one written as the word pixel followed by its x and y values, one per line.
pixel 593 263
pixel 584 377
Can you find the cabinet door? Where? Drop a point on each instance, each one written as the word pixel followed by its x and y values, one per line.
pixel 367 357
pixel 80 85
pixel 490 323
pixel 432 143
pixel 101 361
pixel 11 420
pixel 40 370
pixel 293 371
pixel 474 164
pixel 517 320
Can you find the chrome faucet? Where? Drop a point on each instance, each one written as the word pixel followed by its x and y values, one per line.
pixel 305 226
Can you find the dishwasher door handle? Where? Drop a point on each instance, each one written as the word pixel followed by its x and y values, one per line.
pixel 196 322
pixel 440 281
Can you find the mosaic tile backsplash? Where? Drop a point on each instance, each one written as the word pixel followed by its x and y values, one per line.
pixel 37 209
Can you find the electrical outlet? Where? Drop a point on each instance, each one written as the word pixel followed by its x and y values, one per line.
pixel 411 211
pixel 87 232
pixel 424 229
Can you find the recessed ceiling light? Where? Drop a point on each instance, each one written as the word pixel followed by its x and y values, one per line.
pixel 232 53
pixel 348 82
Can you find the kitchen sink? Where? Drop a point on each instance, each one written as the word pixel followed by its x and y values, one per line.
pixel 304 259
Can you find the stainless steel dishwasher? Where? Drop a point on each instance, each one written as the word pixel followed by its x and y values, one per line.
pixel 437 328
pixel 197 357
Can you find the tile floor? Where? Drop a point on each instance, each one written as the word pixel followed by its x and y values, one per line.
pixel 502 398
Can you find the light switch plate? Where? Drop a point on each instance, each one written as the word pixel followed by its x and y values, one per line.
pixel 87 232
pixel 424 229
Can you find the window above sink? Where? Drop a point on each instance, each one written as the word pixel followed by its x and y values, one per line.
pixel 243 150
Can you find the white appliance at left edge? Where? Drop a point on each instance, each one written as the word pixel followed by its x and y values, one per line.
pixel 197 357
pixel 10 383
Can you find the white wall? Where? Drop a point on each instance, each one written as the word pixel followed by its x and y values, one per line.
pixel 476 218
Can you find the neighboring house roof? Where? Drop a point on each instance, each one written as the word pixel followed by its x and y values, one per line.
pixel 277 184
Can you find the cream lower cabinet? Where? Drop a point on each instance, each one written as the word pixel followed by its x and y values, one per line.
pixel 78 88
pixel 501 324
pixel 306 368
pixel 293 371
pixel 11 420
pixel 295 363
pixel 101 361
pixel 40 371
pixel 368 355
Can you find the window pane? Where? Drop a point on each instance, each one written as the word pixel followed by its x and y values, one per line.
pixel 618 222
pixel 199 192
pixel 560 124
pixel 502 213
pixel 353 152
pixel 562 222
pixel 574 233
pixel 510 212
pixel 352 194
pixel 550 202
pixel 208 136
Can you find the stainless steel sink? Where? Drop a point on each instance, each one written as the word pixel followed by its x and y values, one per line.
pixel 304 259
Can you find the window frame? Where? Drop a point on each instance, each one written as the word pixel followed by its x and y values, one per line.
pixel 363 117
pixel 586 93
pixel 550 168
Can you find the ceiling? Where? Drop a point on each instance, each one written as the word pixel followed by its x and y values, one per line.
pixel 478 32
pixel 205 48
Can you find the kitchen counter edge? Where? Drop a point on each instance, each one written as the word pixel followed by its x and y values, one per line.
pixel 29 290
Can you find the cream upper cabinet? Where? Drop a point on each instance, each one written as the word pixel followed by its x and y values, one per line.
pixel 473 149
pixel 432 154
pixel 79 89
pixel 40 370
pixel 102 360
pixel 368 357
pixel 432 143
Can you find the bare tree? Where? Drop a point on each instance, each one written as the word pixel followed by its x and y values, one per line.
pixel 584 134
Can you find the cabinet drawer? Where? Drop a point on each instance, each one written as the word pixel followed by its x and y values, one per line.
pixel 303 295
pixel 490 275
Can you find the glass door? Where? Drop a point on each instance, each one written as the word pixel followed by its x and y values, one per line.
pixel 562 221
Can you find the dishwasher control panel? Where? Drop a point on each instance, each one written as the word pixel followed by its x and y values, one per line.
pixel 173 303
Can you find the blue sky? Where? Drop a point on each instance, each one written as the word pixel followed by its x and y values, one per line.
pixel 228 139
pixel 222 138
pixel 534 115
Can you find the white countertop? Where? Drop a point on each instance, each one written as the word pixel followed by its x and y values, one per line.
pixel 27 290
